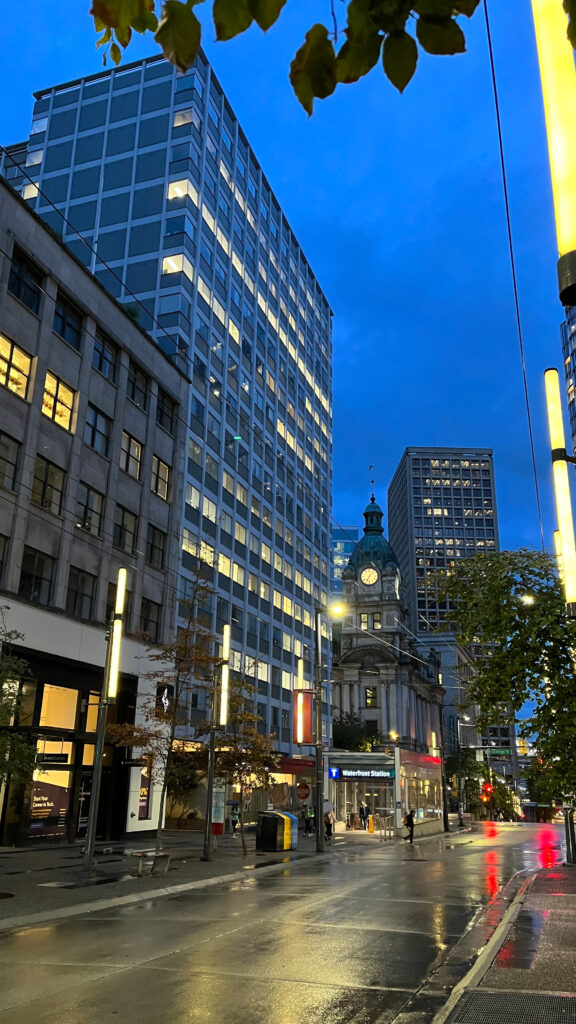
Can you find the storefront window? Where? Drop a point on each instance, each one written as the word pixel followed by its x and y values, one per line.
pixel 49 803
pixel 88 754
pixel 58 707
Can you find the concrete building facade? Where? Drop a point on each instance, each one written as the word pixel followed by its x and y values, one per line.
pixel 92 456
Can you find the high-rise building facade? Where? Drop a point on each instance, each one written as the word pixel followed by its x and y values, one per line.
pixel 178 222
pixel 344 539
pixel 441 507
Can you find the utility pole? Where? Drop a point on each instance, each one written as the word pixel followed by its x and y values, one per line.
pixel 108 696
pixel 318 731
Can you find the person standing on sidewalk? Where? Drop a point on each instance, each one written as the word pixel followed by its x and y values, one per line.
pixel 329 822
pixel 364 814
pixel 409 823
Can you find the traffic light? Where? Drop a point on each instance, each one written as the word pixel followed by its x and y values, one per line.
pixel 488 789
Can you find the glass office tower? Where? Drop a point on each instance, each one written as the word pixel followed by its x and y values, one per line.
pixel 344 540
pixel 177 220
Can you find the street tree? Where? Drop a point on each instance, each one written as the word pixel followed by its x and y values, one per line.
pixel 509 608
pixel 350 732
pixel 183 664
pixel 245 757
pixel 17 749
pixel 389 33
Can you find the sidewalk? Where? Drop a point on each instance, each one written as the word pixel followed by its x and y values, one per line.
pixel 40 884
pixel 526 971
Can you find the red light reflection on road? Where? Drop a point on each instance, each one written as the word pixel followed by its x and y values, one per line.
pixel 491 865
pixel 547 853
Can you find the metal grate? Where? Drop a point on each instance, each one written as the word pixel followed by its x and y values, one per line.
pixel 513 1008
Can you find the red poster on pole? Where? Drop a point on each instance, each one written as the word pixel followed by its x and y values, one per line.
pixel 302 730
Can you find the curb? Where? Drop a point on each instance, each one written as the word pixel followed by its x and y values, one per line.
pixel 487 954
pixel 74 910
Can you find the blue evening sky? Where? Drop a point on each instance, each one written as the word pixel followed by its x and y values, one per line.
pixel 397 202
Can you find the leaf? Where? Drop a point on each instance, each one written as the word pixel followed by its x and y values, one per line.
pixel 466 7
pixel 440 37
pixel 123 35
pixel 179 34
pixel 400 56
pixel 570 8
pixel 313 70
pixel 104 38
pixel 231 17
pixel 120 12
pixel 115 53
pixel 266 12
pixel 360 52
pixel 145 23
pixel 435 9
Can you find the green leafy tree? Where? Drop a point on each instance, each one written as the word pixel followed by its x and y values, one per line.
pixel 17 749
pixel 509 607
pixel 183 664
pixel 350 732
pixel 389 33
pixel 245 757
pixel 472 771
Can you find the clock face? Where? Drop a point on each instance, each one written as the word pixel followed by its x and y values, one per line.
pixel 369 576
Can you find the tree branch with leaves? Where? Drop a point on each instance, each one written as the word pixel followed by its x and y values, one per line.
pixel 509 608
pixel 17 747
pixel 386 32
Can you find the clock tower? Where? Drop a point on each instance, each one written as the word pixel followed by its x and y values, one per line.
pixel 378 671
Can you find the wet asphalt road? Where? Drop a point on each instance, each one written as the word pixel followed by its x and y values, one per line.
pixel 344 941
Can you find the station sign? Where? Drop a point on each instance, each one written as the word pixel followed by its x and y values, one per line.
pixel 340 772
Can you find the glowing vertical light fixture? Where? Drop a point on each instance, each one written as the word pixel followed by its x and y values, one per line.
pixel 116 635
pixel 558 77
pixel 561 487
pixel 300 702
pixel 225 676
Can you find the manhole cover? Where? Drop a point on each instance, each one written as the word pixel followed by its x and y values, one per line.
pixel 513 1008
pixel 6 895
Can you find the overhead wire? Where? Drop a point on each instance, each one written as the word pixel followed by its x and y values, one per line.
pixel 513 270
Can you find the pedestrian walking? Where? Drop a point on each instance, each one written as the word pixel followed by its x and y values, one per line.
pixel 329 822
pixel 308 821
pixel 364 814
pixel 234 818
pixel 409 823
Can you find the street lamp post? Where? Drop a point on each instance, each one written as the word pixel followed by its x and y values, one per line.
pixel 108 696
pixel 318 730
pixel 219 716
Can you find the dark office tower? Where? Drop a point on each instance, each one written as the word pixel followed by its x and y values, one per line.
pixel 179 223
pixel 441 507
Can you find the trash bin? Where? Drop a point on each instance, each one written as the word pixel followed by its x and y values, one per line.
pixel 276 831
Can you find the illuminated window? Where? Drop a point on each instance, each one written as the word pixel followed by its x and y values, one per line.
pixel 58 401
pixel 240 533
pixel 370 697
pixel 209 509
pixel 363 620
pixel 160 478
pixel 15 366
pixel 238 574
pixel 131 455
pixel 59 705
pixel 30 190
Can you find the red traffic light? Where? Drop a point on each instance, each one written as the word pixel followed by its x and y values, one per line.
pixel 488 789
